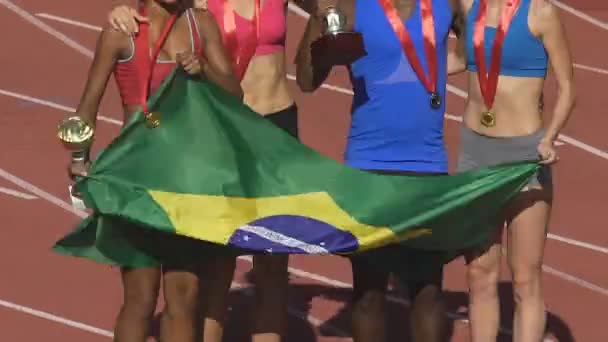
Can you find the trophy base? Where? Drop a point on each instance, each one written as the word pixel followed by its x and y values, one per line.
pixel 342 48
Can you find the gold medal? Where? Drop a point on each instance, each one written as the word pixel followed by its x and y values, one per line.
pixel 152 119
pixel 488 119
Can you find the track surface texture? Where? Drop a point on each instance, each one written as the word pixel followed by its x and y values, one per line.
pixel 47 297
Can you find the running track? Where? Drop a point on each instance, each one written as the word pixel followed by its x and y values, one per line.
pixel 47 297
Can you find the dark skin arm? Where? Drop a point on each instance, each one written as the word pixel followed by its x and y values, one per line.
pixel 308 75
pixel 217 66
pixel 111 46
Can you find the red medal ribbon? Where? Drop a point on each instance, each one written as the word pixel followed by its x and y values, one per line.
pixel 428 32
pixel 146 63
pixel 241 55
pixel 488 82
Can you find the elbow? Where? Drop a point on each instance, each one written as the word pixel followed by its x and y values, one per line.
pixel 567 94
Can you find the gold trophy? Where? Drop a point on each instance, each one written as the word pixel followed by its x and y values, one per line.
pixel 336 46
pixel 76 136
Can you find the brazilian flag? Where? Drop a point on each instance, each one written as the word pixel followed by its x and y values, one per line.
pixel 217 176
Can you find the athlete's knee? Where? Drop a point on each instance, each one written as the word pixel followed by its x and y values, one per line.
pixel 483 280
pixel 527 281
pixel 140 302
pixel 141 289
pixel 369 304
pixel 181 294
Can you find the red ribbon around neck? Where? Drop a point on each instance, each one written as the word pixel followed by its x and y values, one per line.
pixel 488 81
pixel 146 62
pixel 428 32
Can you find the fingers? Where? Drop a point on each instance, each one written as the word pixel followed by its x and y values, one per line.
pixel 77 169
pixel 126 19
pixel 548 156
pixel 189 62
pixel 180 57
pixel 140 18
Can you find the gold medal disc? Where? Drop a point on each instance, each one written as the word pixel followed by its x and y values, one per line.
pixel 152 119
pixel 488 119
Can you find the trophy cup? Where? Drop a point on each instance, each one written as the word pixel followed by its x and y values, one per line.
pixel 336 46
pixel 76 136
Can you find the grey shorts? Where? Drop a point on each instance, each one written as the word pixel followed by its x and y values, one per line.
pixel 478 151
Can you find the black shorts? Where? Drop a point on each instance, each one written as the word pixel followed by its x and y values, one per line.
pixel 287 119
pixel 417 269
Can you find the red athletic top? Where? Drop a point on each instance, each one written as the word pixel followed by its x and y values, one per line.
pixel 126 75
pixel 245 38
pixel 273 25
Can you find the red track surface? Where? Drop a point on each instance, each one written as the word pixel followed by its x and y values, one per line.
pixel 47 297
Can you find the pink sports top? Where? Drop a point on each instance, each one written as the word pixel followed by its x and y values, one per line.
pixel 126 71
pixel 270 34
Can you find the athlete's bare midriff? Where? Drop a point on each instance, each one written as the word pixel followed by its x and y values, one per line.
pixel 516 106
pixel 265 84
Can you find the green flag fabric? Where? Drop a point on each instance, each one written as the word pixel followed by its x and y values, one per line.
pixel 215 171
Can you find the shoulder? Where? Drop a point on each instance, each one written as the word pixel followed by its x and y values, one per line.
pixel 543 8
pixel 543 16
pixel 113 41
pixel 205 19
pixel 207 24
pixel 202 14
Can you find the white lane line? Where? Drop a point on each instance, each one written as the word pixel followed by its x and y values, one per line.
pixel 106 333
pixel 17 194
pixel 69 21
pixel 576 280
pixel 53 105
pixel 457 91
pixel 26 185
pixel 55 318
pixel 596 22
pixel 46 28
pixel 584 245
pixel 301 13
pixel 590 68
pixel 298 272
pixel 319 278
pixel 582 15
pixel 570 278
pixel 42 194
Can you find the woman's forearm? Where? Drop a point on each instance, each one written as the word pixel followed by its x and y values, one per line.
pixel 561 112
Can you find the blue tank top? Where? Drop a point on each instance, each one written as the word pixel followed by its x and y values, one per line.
pixel 393 126
pixel 523 55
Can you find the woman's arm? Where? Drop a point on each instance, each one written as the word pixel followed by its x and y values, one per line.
pixel 110 47
pixel 456 56
pixel 552 33
pixel 309 76
pixel 216 66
